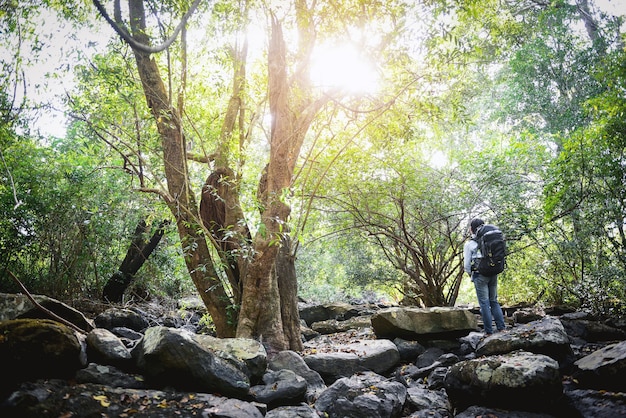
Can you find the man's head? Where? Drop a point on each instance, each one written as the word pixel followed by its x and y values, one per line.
pixel 475 224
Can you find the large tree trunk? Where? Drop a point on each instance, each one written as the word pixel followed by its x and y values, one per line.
pixel 285 269
pixel 262 314
pixel 179 198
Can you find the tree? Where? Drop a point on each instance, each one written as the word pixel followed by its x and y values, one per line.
pixel 136 255
pixel 266 286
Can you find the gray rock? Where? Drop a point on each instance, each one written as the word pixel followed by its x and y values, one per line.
pixel 519 380
pixel 279 388
pixel 116 317
pixel 409 350
pixel 175 358
pixel 417 323
pixel 301 411
pixel 592 331
pixel 546 336
pixel 433 403
pixel 604 368
pixel 104 347
pixel 109 376
pixel 250 352
pixel 338 311
pixel 18 306
pixel 332 326
pixel 526 315
pixel 597 404
pixel 37 348
pixel 481 411
pixel 290 360
pixel 362 395
pixel 347 359
pixel 428 357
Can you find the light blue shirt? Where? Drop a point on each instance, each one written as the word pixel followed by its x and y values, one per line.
pixel 470 252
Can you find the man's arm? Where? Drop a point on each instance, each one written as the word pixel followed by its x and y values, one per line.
pixel 468 251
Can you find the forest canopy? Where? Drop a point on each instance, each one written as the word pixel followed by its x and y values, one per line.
pixel 322 150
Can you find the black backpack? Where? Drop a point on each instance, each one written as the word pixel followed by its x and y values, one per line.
pixel 492 248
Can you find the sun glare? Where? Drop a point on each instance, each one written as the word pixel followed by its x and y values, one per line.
pixel 343 68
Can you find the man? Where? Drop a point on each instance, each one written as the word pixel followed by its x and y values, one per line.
pixel 486 286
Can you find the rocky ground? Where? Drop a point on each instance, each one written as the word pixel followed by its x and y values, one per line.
pixel 159 359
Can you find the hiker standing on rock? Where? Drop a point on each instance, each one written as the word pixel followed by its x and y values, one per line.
pixel 483 259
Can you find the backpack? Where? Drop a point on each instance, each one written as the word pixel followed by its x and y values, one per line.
pixel 492 247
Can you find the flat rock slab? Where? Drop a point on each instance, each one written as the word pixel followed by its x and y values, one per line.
pixel 417 323
pixel 344 360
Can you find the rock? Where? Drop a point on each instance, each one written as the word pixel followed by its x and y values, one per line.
pixel 417 324
pixel 362 395
pixel 280 388
pixel 115 317
pixel 104 347
pixel 36 348
pixel 238 350
pixel 428 357
pixel 347 359
pixel 302 411
pixel 174 358
pixel 526 315
pixel 604 368
pixel 433 374
pixel 480 411
pixel 109 376
pixel 433 403
pixel 520 380
pixel 597 404
pixel 546 336
pixel 332 326
pixel 18 306
pixel 290 360
pixel 409 350
pixel 57 399
pixel 592 331
pixel 307 333
pixel 339 311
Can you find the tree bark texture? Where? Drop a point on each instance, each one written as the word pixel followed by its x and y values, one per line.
pixel 137 254
pixel 180 200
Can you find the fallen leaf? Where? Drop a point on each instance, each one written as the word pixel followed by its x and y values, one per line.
pixel 104 401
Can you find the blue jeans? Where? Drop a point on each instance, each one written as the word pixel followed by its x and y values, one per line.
pixel 487 294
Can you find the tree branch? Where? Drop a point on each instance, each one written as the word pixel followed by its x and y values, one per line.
pixel 44 310
pixel 123 33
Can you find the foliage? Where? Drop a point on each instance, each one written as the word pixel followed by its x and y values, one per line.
pixel 523 103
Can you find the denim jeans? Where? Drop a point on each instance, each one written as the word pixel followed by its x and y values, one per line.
pixel 487 294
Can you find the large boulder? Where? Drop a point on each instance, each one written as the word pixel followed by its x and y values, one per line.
pixel 363 395
pixel 37 348
pixel 237 350
pixel 343 360
pixel 546 336
pixel 604 368
pixel 519 380
pixel 427 323
pixel 18 306
pixel 176 358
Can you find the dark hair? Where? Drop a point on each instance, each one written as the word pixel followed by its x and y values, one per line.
pixel 476 222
